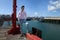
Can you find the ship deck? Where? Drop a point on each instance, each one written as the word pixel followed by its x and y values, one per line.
pixel 50 31
pixel 3 35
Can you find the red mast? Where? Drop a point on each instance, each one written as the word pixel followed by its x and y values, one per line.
pixel 14 29
pixel 14 14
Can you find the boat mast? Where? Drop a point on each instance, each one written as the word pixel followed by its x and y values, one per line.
pixel 14 14
pixel 13 29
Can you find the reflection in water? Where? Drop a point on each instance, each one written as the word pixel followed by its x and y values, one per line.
pixel 7 23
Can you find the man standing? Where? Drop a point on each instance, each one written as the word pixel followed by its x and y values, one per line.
pixel 22 18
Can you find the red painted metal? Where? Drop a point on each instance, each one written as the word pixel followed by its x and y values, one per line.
pixel 14 14
pixel 14 29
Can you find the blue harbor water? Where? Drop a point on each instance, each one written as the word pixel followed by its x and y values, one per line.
pixel 49 31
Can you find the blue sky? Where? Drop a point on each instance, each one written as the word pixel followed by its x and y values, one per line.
pixel 32 7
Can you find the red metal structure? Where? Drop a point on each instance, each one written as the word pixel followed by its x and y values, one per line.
pixel 14 30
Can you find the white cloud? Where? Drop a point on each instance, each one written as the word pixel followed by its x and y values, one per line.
pixel 53 5
pixel 51 8
pixel 58 5
pixel 51 2
pixel 35 14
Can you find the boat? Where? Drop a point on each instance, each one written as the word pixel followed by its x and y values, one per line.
pixel 35 29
